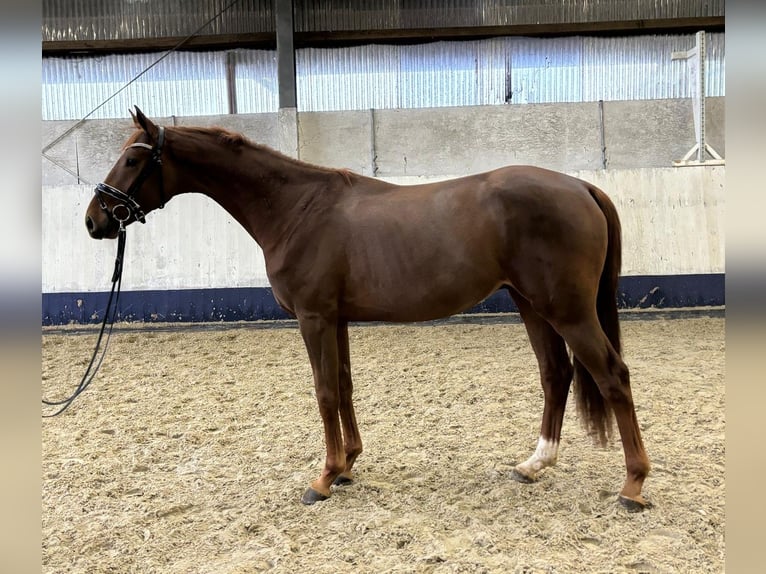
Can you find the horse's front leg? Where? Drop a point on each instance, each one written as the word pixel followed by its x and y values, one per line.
pixel 352 441
pixel 320 336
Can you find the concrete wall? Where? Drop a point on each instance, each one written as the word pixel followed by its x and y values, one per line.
pixel 433 141
pixel 672 224
pixel 672 217
pixel 92 148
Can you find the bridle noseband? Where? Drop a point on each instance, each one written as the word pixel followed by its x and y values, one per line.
pixel 127 200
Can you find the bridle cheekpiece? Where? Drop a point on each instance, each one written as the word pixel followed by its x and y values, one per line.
pixel 127 200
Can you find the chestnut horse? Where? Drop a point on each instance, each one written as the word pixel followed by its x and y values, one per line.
pixel 342 247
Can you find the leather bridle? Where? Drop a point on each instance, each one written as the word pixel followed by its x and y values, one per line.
pixel 127 200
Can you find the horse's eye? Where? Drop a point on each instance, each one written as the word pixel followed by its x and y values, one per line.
pixel 131 161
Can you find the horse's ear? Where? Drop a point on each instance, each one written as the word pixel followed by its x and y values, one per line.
pixel 144 123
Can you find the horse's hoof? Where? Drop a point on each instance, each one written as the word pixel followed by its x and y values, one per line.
pixel 634 505
pixel 311 496
pixel 342 480
pixel 523 478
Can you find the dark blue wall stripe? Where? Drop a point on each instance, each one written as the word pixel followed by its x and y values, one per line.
pixel 258 303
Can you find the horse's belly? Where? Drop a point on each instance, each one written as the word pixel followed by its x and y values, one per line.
pixel 417 298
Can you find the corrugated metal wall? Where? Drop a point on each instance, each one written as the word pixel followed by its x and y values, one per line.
pixel 184 83
pixel 71 20
pixel 130 19
pixel 502 70
pixel 257 87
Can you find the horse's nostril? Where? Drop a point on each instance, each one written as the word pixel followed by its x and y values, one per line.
pixel 88 223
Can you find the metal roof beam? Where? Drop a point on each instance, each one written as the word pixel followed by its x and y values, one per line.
pixel 268 40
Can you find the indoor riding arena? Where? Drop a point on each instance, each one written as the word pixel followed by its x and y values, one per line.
pixel 195 376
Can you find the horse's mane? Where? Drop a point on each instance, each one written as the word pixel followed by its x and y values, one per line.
pixel 235 140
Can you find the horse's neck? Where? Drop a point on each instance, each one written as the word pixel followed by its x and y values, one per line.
pixel 263 190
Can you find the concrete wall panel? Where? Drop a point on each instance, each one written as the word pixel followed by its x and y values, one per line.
pixel 652 136
pixel 715 124
pixel 192 243
pixel 672 218
pixel 338 139
pixel 64 152
pixel 642 135
pixel 478 138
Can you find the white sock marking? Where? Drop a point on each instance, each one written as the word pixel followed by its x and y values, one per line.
pixel 546 454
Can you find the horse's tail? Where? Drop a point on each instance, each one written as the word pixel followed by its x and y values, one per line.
pixel 594 410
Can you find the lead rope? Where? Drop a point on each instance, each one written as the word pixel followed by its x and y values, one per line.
pixel 90 372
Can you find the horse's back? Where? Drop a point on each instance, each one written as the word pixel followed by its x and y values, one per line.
pixel 517 187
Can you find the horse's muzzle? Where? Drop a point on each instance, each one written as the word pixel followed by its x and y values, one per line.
pixel 103 229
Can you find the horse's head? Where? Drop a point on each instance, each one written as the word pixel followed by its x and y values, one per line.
pixel 134 186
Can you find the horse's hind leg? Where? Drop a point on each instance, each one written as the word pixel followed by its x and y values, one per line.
pixel 592 348
pixel 352 441
pixel 556 376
